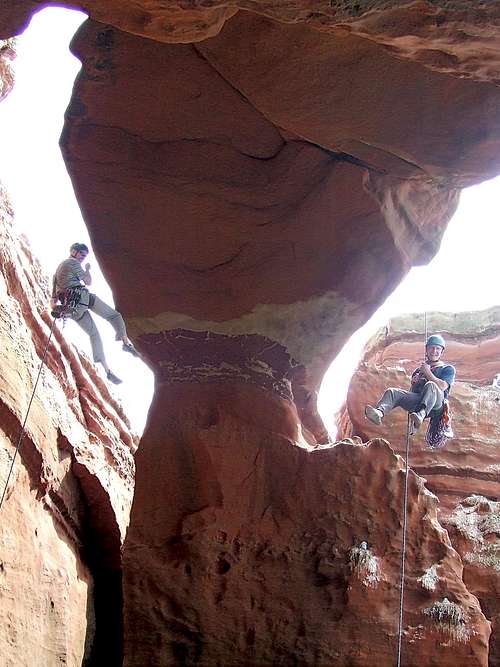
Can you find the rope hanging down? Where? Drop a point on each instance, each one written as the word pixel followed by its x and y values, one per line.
pixel 405 522
pixel 21 435
pixel 403 548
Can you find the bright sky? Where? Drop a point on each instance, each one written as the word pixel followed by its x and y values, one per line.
pixel 463 276
pixel 34 174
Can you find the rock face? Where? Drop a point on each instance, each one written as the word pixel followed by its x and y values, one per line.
pixel 7 54
pixel 469 463
pixel 257 177
pixel 456 37
pixel 257 555
pixel 474 527
pixel 464 474
pixel 65 513
pixel 288 212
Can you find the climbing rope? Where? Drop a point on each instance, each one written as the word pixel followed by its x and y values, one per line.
pixel 21 435
pixel 405 522
pixel 403 548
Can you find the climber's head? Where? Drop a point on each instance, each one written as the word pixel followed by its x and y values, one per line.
pixel 434 347
pixel 79 251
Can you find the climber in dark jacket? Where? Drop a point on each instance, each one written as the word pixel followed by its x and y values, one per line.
pixel 430 385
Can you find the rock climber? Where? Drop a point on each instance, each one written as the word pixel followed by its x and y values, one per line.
pixel 69 285
pixel 430 385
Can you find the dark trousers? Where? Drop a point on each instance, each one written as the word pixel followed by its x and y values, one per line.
pixel 430 398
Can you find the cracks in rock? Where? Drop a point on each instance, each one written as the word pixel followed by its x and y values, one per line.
pixel 254 464
pixel 406 161
pixel 203 141
pixel 243 97
pixel 230 260
pixel 336 155
pixel 28 452
pixel 466 473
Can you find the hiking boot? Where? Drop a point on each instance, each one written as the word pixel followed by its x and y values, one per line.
pixel 375 415
pixel 113 378
pixel 416 419
pixel 128 347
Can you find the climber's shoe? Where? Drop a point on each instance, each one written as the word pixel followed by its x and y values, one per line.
pixel 375 415
pixel 416 419
pixel 113 378
pixel 128 347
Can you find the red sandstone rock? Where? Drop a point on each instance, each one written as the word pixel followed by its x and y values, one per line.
pixel 262 234
pixel 66 510
pixel 458 38
pixel 474 527
pixel 7 54
pixel 331 90
pixel 469 463
pixel 245 549
pixel 467 468
pixel 280 192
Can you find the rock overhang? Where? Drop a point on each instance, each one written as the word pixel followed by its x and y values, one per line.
pixel 265 165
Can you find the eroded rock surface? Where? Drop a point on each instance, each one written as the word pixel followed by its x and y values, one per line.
pixel 254 193
pixel 7 55
pixel 469 464
pixel 256 222
pixel 246 549
pixel 67 505
pixel 465 473
pixel 455 37
pixel 474 527
pixel 276 212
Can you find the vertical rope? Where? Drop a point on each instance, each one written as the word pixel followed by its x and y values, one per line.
pixel 403 548
pixel 425 332
pixel 405 522
pixel 21 435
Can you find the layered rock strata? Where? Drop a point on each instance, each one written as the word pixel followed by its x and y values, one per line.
pixel 474 527
pixel 457 38
pixel 465 473
pixel 287 212
pixel 253 224
pixel 65 513
pixel 253 194
pixel 469 463
pixel 245 549
pixel 282 191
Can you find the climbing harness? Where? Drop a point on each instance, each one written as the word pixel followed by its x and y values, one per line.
pixel 23 427
pixel 439 429
pixel 405 522
pixel 70 299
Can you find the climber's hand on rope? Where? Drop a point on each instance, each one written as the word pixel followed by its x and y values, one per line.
pixel 425 370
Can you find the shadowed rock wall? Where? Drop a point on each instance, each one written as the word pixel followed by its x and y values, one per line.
pixel 67 505
pixel 247 550
pixel 255 185
pixel 282 190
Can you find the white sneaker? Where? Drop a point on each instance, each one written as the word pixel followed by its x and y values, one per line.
pixel 375 415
